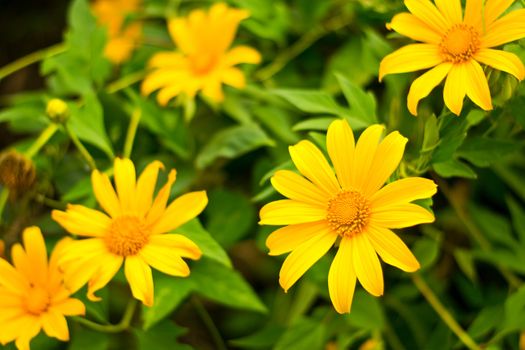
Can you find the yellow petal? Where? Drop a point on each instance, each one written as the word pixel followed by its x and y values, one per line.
pixel 289 212
pixel 304 256
pixel 172 60
pixel 180 211
pixel 385 161
pixel 109 264
pixel 125 182
pixel 233 77
pixel 11 279
pixel 213 90
pixel 166 94
pixel 508 28
pixel 159 204
pixel 105 194
pixel 422 86
pixel 242 54
pixel 455 88
pixel 473 14
pixel 82 221
pixel 146 186
pixel 167 78
pixel 288 238
pixel 341 146
pixel 429 14
pixel 138 274
pixel 78 272
pixel 294 186
pixel 181 35
pixel 392 249
pixel 9 300
pixel 477 85
pixel 70 307
pixel 313 165
pixel 400 215
pixel 451 10
pixel 55 325
pixel 364 155
pixel 22 264
pixel 342 278
pixel 502 60
pixel 410 58
pixel 403 191
pixel 410 26
pixel 165 260
pixel 26 329
pixel 222 25
pixel 366 264
pixel 179 244
pixel 494 8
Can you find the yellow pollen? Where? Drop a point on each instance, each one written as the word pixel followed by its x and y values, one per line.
pixel 459 43
pixel 127 235
pixel 348 213
pixel 37 301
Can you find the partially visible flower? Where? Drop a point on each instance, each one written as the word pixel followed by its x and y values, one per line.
pixel 17 172
pixel 57 110
pixel 350 206
pixel 132 232
pixel 122 36
pixel 204 61
pixel 32 293
pixel 455 44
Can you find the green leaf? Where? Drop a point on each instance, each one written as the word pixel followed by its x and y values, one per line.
pixel 84 338
pixel 487 320
pixel 278 121
pixel 304 334
pixel 495 227
pixel 514 311
pixel 431 135
pixel 209 246
pixel 465 261
pixel 163 336
pixel 483 151
pixel 454 167
pixel 362 104
pixel 426 250
pixel 264 338
pixel 225 286
pixel 518 218
pixel 320 124
pixel 231 143
pixel 366 312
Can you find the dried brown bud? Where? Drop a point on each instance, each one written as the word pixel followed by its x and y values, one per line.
pixel 17 172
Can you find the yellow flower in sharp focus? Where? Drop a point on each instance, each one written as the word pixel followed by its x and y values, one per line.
pixel 204 61
pixel 455 44
pixel 350 205
pixel 32 293
pixel 132 232
pixel 122 36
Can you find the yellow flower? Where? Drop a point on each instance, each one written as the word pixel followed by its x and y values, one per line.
pixel 205 60
pixel 134 231
pixel 454 44
pixel 122 36
pixel 32 293
pixel 352 206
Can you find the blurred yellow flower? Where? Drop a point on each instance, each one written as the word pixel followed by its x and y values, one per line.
pixel 32 294
pixel 352 206
pixel 204 60
pixel 122 36
pixel 133 231
pixel 454 44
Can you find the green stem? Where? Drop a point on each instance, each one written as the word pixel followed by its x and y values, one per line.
pixel 83 151
pixel 442 311
pixel 112 328
pixel 3 200
pixel 208 322
pixel 41 140
pixel 124 82
pixel 31 58
pixel 307 40
pixel 132 131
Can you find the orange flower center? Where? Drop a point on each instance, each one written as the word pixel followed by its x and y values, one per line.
pixel 348 213
pixel 459 43
pixel 37 301
pixel 127 235
pixel 202 64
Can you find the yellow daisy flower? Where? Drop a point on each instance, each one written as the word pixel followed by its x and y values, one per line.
pixel 32 293
pixel 350 205
pixel 133 231
pixel 205 60
pixel 122 36
pixel 454 45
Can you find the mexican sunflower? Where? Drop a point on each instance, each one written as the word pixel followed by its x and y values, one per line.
pixel 453 45
pixel 32 293
pixel 350 207
pixel 204 60
pixel 133 232
pixel 122 36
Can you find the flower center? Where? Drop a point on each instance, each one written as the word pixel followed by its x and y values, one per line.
pixel 348 213
pixel 459 43
pixel 127 235
pixel 37 300
pixel 202 64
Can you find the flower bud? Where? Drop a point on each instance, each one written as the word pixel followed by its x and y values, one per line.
pixel 17 172
pixel 57 110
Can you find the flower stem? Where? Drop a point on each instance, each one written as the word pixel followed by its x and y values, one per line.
pixel 442 311
pixel 31 58
pixel 83 151
pixel 41 140
pixel 132 131
pixel 124 82
pixel 208 322
pixel 112 328
pixel 3 200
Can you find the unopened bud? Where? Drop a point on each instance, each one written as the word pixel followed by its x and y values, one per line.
pixel 17 172
pixel 57 110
